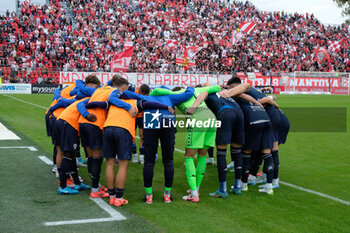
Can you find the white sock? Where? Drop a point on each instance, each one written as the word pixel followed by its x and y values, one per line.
pixel 268 186
pixel 94 190
pixel 194 193
pixel 275 181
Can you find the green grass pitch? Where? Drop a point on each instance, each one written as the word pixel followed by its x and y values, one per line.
pixel 316 161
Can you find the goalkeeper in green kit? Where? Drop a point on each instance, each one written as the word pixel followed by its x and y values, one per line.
pixel 200 135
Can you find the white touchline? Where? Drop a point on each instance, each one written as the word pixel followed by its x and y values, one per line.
pixel 31 148
pixel 80 221
pixel 115 215
pixel 112 212
pixel 316 193
pixel 26 102
pixel 45 160
pixel 181 151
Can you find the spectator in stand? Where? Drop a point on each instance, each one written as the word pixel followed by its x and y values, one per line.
pixel 40 80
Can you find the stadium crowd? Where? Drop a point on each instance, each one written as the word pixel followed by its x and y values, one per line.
pixel 42 37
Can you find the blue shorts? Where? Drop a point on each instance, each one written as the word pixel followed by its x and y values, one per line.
pixel 117 141
pixel 283 128
pixel 66 136
pixel 91 136
pixel 50 124
pixel 275 119
pixel 232 127
pixel 48 128
pixel 259 136
pixel 139 122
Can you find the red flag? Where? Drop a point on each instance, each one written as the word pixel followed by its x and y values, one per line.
pixel 247 27
pixel 187 60
pixel 229 61
pixel 128 44
pixel 334 46
pixel 122 61
pixel 205 44
pixel 191 51
pixel 172 44
pixel 183 25
pixel 236 36
pixel 322 54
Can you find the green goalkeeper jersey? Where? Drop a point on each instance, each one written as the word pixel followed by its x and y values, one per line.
pixel 196 137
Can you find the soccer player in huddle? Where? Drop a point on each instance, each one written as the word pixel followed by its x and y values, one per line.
pixel 50 124
pixel 67 137
pixel 198 140
pixel 50 119
pixel 119 133
pixel 91 129
pixel 166 135
pixel 142 90
pixel 259 136
pixel 280 125
pixel 230 133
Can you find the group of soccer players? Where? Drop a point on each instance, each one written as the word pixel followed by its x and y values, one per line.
pixel 104 119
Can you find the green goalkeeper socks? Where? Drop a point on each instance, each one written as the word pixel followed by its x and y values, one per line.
pixel 167 190
pixel 191 173
pixel 201 166
pixel 149 190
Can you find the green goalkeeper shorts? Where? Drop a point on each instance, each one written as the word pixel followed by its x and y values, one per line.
pixel 200 138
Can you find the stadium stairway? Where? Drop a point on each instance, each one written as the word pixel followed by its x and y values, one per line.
pixel 133 4
pixel 190 7
pixel 69 13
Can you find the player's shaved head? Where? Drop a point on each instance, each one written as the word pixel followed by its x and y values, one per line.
pixel 115 78
pixel 234 80
pixel 121 81
pixel 92 79
pixel 144 89
pixel 177 88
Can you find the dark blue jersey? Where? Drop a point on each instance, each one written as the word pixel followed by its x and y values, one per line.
pixel 271 111
pixel 253 114
pixel 216 103
pixel 253 92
